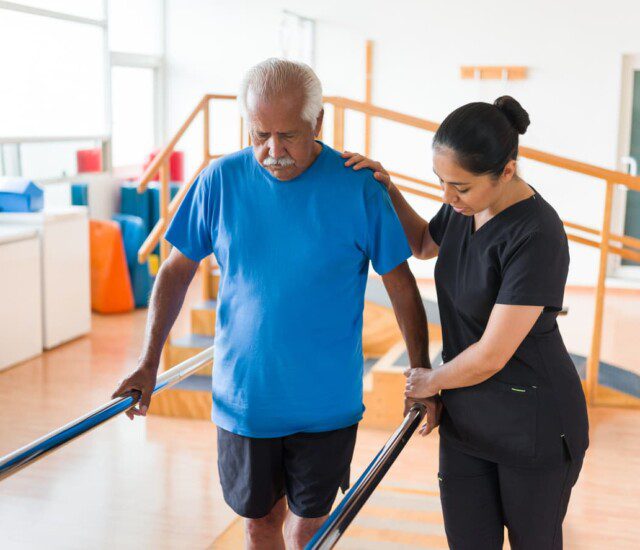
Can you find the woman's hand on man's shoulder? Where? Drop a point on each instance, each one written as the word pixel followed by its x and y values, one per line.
pixel 358 162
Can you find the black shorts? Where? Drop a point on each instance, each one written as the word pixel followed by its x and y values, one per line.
pixel 307 468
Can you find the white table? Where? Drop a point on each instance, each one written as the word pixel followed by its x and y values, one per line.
pixel 20 295
pixel 65 264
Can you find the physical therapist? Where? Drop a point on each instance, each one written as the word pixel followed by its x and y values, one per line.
pixel 514 426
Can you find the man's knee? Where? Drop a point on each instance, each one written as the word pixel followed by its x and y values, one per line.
pixel 299 531
pixel 267 527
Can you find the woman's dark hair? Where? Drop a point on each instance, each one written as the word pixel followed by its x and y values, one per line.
pixel 483 136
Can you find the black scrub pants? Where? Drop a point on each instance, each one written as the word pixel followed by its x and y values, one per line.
pixel 479 498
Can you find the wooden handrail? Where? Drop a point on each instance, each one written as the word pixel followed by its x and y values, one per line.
pixel 626 240
pixel 341 103
pixel 630 242
pixel 632 182
pixel 153 168
pixel 380 112
pixel 209 97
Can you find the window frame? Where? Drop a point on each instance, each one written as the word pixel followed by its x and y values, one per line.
pixel 10 146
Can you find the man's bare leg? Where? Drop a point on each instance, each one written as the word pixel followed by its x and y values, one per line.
pixel 299 531
pixel 266 533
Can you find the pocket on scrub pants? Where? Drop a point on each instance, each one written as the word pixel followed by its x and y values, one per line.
pixel 495 418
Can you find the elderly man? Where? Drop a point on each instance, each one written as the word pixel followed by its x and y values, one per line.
pixel 293 231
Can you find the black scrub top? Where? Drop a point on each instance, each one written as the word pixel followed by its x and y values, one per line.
pixel 524 413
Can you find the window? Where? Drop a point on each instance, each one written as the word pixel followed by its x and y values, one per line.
pixel 54 76
pixel 92 9
pixel 136 27
pixel 133 109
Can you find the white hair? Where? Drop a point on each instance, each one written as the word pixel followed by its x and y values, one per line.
pixel 274 76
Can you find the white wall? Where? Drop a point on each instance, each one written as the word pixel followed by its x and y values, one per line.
pixel 573 49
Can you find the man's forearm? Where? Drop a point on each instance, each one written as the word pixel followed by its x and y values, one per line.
pixel 166 301
pixel 410 314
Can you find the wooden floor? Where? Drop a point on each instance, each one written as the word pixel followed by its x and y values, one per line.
pixel 154 483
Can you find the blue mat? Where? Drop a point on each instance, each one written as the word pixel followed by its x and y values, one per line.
pixel 133 235
pixel 79 194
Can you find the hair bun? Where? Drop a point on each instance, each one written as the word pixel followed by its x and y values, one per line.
pixel 518 117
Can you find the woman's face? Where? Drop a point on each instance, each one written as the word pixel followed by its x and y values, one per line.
pixel 466 192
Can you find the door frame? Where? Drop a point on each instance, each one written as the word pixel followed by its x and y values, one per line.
pixel 630 64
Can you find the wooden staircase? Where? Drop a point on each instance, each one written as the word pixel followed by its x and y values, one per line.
pixel 382 345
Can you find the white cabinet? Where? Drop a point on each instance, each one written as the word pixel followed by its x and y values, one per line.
pixel 20 295
pixel 65 264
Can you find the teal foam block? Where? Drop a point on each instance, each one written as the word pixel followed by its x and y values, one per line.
pixel 137 204
pixel 79 194
pixel 154 202
pixel 133 235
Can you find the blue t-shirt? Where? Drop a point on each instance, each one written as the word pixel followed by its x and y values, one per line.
pixel 294 258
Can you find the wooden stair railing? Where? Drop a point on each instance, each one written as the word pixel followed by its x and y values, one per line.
pixel 627 247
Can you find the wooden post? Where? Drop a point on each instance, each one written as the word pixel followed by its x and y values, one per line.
pixel 368 96
pixel 164 245
pixel 206 137
pixel 164 207
pixel 593 362
pixel 205 274
pixel 338 128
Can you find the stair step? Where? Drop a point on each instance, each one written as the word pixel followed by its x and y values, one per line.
pixel 195 341
pixel 203 318
pixel 186 347
pixel 195 382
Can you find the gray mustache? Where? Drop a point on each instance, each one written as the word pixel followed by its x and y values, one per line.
pixel 282 162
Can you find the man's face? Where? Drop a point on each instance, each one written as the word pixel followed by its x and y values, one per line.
pixel 283 143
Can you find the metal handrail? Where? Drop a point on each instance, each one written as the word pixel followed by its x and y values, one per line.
pixel 336 524
pixel 15 461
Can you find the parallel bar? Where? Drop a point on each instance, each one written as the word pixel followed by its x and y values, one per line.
pixel 337 523
pixel 14 462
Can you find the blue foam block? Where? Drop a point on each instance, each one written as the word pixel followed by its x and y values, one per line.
pixel 135 204
pixel 154 202
pixel 79 194
pixel 20 195
pixel 133 235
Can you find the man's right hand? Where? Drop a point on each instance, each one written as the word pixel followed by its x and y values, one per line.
pixel 432 416
pixel 139 384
